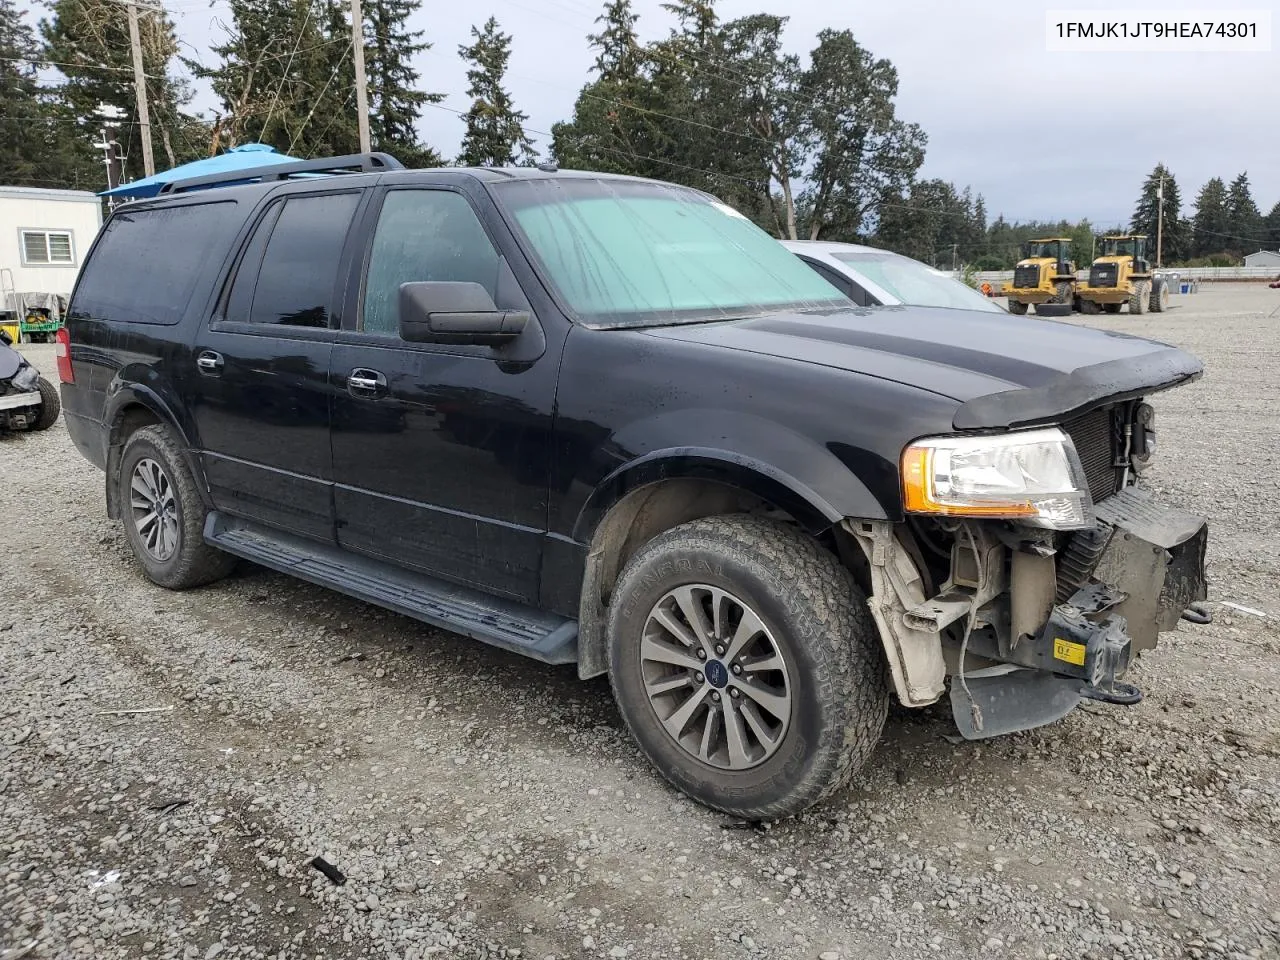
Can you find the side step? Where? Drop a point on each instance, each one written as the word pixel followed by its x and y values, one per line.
pixel 503 623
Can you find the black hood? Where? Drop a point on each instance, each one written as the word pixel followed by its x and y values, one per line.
pixel 1004 371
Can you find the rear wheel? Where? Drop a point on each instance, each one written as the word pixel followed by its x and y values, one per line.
pixel 1112 307
pixel 50 406
pixel 164 515
pixel 1138 297
pixel 1159 297
pixel 1017 307
pixel 1064 293
pixel 1090 307
pixel 746 665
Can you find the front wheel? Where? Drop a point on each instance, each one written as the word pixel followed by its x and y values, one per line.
pixel 50 406
pixel 746 665
pixel 1017 308
pixel 164 515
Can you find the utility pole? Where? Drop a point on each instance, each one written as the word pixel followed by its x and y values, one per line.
pixel 140 89
pixel 1160 222
pixel 362 91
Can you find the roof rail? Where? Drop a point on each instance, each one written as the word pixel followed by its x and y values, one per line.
pixel 352 163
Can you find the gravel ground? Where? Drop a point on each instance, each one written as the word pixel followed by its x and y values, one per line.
pixel 481 805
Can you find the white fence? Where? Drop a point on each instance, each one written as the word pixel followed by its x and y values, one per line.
pixel 1202 274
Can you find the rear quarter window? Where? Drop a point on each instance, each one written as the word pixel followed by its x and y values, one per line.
pixel 147 263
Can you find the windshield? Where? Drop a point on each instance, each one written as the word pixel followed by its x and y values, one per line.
pixel 1112 247
pixel 623 253
pixel 915 284
pixel 1044 248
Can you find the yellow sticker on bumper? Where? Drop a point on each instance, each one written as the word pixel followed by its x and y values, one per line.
pixel 1068 651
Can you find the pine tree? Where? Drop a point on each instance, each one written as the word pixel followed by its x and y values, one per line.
pixel 1212 219
pixel 1243 215
pixel 395 102
pixel 1176 237
pixel 1272 227
pixel 23 116
pixel 90 41
pixel 495 134
pixel 617 52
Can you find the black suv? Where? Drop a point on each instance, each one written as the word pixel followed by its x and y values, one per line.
pixel 608 421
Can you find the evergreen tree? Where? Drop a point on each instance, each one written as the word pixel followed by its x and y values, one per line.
pixel 1244 217
pixel 286 78
pixel 495 134
pixel 395 102
pixel 1271 225
pixel 23 119
pixel 1212 219
pixel 89 39
pixel 1176 237
pixel 617 52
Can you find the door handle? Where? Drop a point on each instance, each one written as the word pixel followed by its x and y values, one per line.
pixel 366 383
pixel 209 362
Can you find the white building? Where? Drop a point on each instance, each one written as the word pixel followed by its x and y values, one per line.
pixel 44 235
pixel 1263 258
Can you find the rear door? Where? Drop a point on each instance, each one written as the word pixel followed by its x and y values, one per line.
pixel 258 383
pixel 441 453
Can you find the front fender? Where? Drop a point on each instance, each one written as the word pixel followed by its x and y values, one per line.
pixel 812 482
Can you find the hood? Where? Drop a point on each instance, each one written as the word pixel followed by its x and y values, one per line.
pixel 1004 371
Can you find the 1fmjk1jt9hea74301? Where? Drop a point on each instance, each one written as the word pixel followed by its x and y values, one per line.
pixel 609 422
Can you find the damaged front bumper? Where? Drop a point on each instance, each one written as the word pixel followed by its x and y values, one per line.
pixel 1027 627
pixel 1140 568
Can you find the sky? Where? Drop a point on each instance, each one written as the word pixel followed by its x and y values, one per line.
pixel 1041 135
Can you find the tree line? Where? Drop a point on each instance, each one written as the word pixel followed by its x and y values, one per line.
pixel 810 147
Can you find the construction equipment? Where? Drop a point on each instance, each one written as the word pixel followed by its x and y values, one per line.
pixel 1122 274
pixel 1045 274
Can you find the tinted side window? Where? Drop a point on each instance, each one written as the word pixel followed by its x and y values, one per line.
pixel 294 284
pixel 423 235
pixel 146 264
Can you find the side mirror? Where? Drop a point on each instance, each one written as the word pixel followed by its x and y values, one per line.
pixel 450 312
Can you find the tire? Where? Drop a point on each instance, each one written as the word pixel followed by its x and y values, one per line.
pixel 50 406
pixel 813 621
pixel 171 550
pixel 1159 297
pixel 1090 307
pixel 1112 307
pixel 1139 296
pixel 1017 308
pixel 1063 293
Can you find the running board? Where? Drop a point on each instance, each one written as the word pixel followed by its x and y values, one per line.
pixel 503 623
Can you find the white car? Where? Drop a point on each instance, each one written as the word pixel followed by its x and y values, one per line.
pixel 871 277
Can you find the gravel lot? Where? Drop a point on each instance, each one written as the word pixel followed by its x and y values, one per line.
pixel 481 805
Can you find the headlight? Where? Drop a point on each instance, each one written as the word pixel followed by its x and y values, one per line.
pixel 1032 476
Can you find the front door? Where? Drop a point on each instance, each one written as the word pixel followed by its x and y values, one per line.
pixel 259 383
pixel 441 453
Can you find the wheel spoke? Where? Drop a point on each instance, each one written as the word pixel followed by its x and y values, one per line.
pixel 719 602
pixel 751 713
pixel 658 687
pixel 679 720
pixel 748 627
pixel 140 485
pixel 735 736
pixel 675 627
pixel 691 607
pixel 708 734
pixel 651 649
pixel 146 521
pixel 769 661
pixel 778 705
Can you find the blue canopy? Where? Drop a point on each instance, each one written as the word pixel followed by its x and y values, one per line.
pixel 248 156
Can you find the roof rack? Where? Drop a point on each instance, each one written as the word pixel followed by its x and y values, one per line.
pixel 352 163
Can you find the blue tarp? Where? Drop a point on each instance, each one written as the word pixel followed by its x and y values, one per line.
pixel 249 156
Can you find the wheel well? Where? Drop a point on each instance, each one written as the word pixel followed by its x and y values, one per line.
pixel 637 518
pixel 128 421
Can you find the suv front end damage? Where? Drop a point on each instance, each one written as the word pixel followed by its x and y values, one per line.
pixel 1011 580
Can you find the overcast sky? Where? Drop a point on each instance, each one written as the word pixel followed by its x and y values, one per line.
pixel 1040 135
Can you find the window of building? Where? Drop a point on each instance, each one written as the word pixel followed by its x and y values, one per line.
pixel 46 246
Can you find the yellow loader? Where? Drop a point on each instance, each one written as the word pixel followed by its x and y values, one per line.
pixel 1122 274
pixel 1045 274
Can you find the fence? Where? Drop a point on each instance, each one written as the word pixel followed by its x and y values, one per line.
pixel 1202 274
